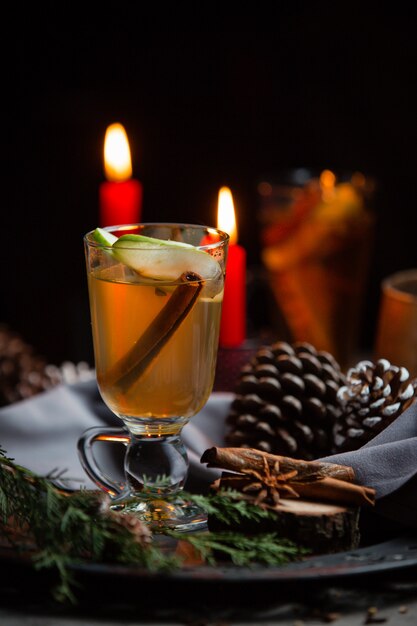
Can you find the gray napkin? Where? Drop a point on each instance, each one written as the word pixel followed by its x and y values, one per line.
pixel 42 433
pixel 388 463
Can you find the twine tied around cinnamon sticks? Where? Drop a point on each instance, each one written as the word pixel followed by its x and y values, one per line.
pixel 264 478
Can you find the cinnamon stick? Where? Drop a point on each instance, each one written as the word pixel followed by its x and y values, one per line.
pixel 334 490
pixel 237 459
pixel 133 364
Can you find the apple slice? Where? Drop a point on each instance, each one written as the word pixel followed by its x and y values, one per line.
pixel 104 237
pixel 164 260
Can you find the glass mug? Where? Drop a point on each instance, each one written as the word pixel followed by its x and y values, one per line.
pixel 396 335
pixel 155 314
pixel 316 231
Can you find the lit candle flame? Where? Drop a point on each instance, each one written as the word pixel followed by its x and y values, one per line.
pixel 226 219
pixel 117 159
pixel 327 184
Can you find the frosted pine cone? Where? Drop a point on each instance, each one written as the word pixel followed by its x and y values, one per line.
pixel 375 394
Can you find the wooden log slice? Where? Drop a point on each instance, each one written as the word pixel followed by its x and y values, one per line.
pixel 320 527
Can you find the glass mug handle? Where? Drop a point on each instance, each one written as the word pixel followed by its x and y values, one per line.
pixel 153 465
pixel 88 461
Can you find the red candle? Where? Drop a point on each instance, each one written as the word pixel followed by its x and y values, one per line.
pixel 233 320
pixel 121 195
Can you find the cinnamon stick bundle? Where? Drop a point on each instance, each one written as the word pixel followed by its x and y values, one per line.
pixel 132 365
pixel 275 477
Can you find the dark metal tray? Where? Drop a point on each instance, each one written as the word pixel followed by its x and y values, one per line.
pixel 396 554
pixel 106 589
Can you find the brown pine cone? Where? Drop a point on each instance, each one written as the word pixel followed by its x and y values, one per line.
pixel 286 401
pixel 138 529
pixel 375 394
pixel 25 373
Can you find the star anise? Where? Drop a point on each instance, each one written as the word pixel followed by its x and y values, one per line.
pixel 266 487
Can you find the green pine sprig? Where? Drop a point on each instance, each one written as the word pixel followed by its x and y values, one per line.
pixel 62 530
pixel 240 549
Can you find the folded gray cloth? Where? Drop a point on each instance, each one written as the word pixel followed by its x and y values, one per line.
pixel 388 463
pixel 42 434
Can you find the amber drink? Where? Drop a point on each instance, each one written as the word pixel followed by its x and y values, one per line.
pixel 179 380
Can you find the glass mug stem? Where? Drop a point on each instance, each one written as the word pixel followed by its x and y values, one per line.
pixel 155 470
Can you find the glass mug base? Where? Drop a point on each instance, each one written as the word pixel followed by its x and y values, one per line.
pixel 177 514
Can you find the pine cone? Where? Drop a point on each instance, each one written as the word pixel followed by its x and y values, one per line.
pixel 375 394
pixel 138 529
pixel 24 373
pixel 286 402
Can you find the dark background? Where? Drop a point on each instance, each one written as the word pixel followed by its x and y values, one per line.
pixel 319 86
